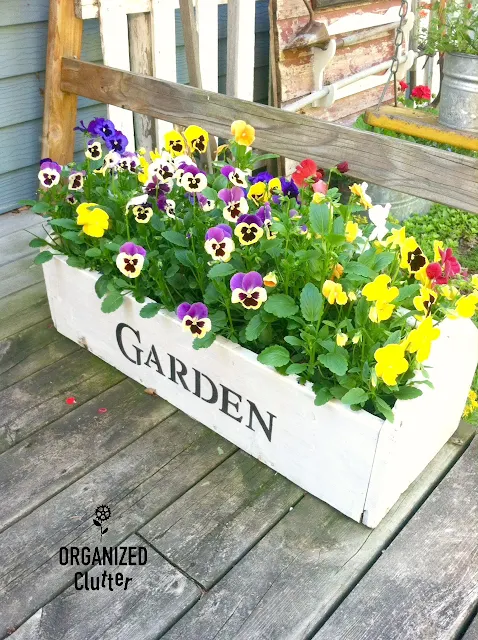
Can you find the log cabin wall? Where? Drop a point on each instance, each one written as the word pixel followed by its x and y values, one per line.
pixel 294 68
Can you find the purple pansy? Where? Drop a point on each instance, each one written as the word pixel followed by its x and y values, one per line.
pixel 247 289
pixel 50 173
pixel 130 259
pixel 219 243
pixel 158 189
pixel 205 203
pixel 194 318
pixel 129 162
pixel 236 176
pixel 117 142
pixel 289 188
pixel 264 176
pixel 192 179
pixel 102 128
pixel 236 203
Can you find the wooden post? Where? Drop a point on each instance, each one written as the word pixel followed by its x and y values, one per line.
pixel 240 48
pixel 65 32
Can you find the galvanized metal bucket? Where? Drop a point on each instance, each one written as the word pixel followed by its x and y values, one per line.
pixel 459 92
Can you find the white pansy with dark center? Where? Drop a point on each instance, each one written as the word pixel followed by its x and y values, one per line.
pixel 130 259
pixel 94 150
pixel 169 208
pixel 75 181
pixel 219 243
pixel 247 290
pixel 236 203
pixel 193 179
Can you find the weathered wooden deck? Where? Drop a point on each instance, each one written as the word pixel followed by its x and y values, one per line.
pixel 235 551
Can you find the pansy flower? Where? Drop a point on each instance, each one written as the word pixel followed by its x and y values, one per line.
pixel 378 216
pixel 197 138
pixel 262 176
pixel 391 362
pixel 163 169
pixel 236 176
pixel 420 340
pixel 445 268
pixel 289 188
pixel 70 198
pixel 219 243
pixel 206 204
pixel 244 134
pixel 75 180
pixel 130 259
pixel 169 208
pixel 334 293
pixel 174 143
pixel 425 300
pixel 101 127
pixel 247 290
pixel 110 162
pixel 194 318
pixel 352 231
pixel 92 218
pixel 258 193
pixel 129 162
pixel 382 294
pixel 49 174
pixel 412 257
pixel 236 204
pixel 249 229
pixel 193 179
pixel 306 172
pixel 94 150
pixel 360 190
pixel 143 213
pixel 396 238
pixel 117 142
pixel 270 280
pixel 274 187
pixel 466 305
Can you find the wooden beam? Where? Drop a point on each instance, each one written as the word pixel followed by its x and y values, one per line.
pixel 440 176
pixel 420 125
pixel 65 33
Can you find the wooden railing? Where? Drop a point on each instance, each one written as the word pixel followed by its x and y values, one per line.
pixel 430 173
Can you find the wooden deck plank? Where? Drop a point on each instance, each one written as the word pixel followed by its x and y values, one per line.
pixel 472 631
pixel 28 317
pixel 304 567
pixel 41 397
pixel 155 598
pixel 13 221
pixel 19 275
pixel 30 350
pixel 211 527
pixel 426 584
pixel 60 453
pixel 136 483
pixel 13 307
pixel 15 245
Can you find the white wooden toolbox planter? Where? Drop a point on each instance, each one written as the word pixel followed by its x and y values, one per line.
pixel 356 462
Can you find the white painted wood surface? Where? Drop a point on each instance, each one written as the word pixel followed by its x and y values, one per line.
pixel 354 461
pixel 163 36
pixel 240 48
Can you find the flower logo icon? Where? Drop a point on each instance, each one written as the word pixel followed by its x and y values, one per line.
pixel 102 514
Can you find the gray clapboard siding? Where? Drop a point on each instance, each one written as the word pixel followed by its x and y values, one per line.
pixel 21 98
pixel 23 11
pixel 23 47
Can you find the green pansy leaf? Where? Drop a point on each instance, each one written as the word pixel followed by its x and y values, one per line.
pixel 220 270
pixel 113 301
pixel 76 261
pixel 383 260
pixel 27 203
pixel 319 216
pixel 361 312
pixel 281 305
pixel 42 257
pixel 101 286
pixel 73 236
pixel 185 257
pixel 293 341
pixel 255 327
pixel 40 207
pixel 209 193
pixel 362 270
pixel 274 356
pixel 176 238
pixel 295 369
pixel 311 303
pixel 172 271
pixel 218 320
pixel 38 242
pixel 150 310
pixel 384 409
pixel 322 397
pixel 393 338
pixel 204 343
pixel 220 182
pixel 407 292
pixel 355 396
pixel 211 294
pixel 265 156
pixel 94 252
pixel 64 223
pixel 338 391
pixel 112 246
pixel 339 225
pixel 335 362
pixel 408 393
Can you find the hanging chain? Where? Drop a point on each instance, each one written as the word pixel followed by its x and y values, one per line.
pixel 399 38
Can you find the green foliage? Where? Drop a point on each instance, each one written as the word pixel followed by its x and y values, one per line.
pixel 274 356
pixel 453 29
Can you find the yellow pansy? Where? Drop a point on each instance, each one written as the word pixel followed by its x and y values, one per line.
pixel 174 143
pixel 391 362
pixel 258 193
pixel 275 187
pixel 360 190
pixel 357 337
pixel 197 138
pixel 396 238
pixel 243 133
pixel 341 339
pixel 270 280
pixel 472 403
pixel 318 197
pixel 352 296
pixel 334 293
pixel 412 257
pixel 474 281
pixel 437 245
pixel 422 277
pixel 378 289
pixel 466 306
pixel 351 231
pixel 93 219
pixel 425 300
pixel 420 340
pixel 381 310
pixel 222 148
pixel 449 292
pixel 338 272
pixel 143 174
